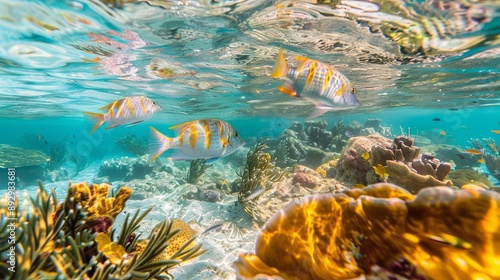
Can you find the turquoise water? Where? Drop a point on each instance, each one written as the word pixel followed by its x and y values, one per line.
pixel 423 68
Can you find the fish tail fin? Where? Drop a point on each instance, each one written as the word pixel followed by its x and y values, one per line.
pixel 94 119
pixel 158 143
pixel 280 67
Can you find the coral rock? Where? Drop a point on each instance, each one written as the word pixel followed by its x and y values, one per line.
pixel 352 167
pixel 462 177
pixel 401 175
pixel 445 233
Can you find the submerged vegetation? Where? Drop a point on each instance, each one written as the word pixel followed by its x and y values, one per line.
pixel 257 172
pixel 196 168
pixel 132 144
pixel 57 155
pixel 74 239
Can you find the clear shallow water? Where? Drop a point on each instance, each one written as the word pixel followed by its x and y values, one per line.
pixel 410 62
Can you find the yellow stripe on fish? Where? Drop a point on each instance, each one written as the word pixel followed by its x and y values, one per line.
pixel 124 111
pixel 319 83
pixel 209 138
pixel 193 136
pixel 208 133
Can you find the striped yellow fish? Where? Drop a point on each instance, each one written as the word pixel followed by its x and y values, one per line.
pixel 317 82
pixel 130 110
pixel 208 138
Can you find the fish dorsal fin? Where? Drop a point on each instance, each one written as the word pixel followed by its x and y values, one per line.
pixel 108 107
pixel 181 126
pixel 301 60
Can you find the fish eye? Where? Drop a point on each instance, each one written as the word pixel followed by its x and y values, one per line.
pixel 353 90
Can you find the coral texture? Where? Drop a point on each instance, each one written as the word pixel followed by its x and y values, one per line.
pixel 445 233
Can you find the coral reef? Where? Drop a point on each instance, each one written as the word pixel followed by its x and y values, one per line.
pixel 74 240
pixel 491 155
pixel 132 144
pixel 457 156
pixel 461 177
pixel 12 156
pixel 196 168
pixel 444 233
pixel 296 182
pixel 365 159
pixel 351 167
pixel 258 171
pixel 126 169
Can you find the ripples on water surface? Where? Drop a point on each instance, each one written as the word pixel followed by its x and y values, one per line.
pixel 214 58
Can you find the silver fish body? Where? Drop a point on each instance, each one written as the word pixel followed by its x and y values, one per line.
pixel 208 138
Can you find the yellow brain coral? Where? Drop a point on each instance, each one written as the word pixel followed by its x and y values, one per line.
pixel 446 233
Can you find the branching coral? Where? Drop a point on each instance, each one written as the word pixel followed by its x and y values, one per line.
pixel 445 233
pixel 196 168
pixel 258 170
pixel 59 240
pixel 133 144
pixel 491 155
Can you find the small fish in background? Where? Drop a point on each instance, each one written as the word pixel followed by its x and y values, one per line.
pixel 442 132
pixel 380 171
pixel 460 156
pixel 474 151
pixel 496 131
pixel 208 138
pixel 436 119
pixel 481 160
pixel 127 111
pixel 366 155
pixel 255 193
pixel 317 82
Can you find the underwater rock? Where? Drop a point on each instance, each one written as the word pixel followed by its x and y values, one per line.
pixel 372 126
pixel 401 175
pixel 59 174
pixel 289 151
pixel 206 194
pixel 451 153
pixel 318 135
pixel 12 156
pixel 297 181
pixel 126 169
pixel 354 128
pixel 343 235
pixel 161 183
pixel 352 167
pixel 403 152
pixel 25 176
pixel 461 177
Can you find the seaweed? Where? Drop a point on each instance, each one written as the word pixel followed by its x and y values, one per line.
pixel 258 170
pixel 196 168
pixel 80 160
pixel 133 144
pixel 58 241
pixel 57 154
